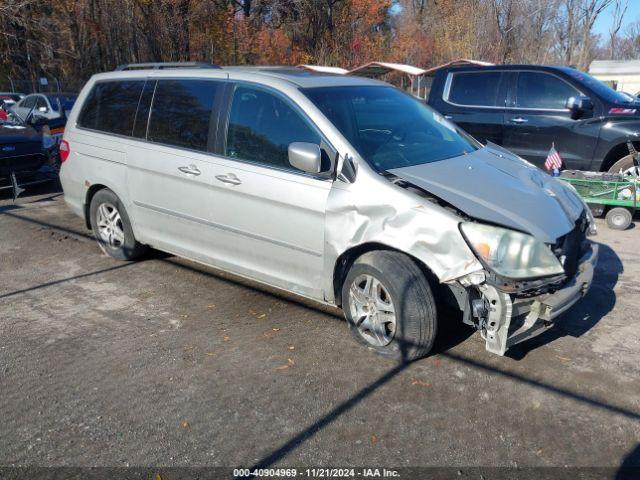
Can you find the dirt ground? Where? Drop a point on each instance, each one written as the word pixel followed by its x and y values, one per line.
pixel 167 362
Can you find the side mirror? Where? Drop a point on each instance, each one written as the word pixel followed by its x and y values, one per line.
pixel 305 156
pixel 579 106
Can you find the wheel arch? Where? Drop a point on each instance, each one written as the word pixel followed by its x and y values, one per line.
pixel 93 189
pixel 348 257
pixel 616 153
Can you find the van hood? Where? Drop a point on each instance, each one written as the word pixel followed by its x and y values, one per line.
pixel 496 186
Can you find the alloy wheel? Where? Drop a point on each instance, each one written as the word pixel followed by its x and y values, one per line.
pixel 372 310
pixel 110 226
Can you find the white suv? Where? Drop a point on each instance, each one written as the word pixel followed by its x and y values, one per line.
pixel 341 189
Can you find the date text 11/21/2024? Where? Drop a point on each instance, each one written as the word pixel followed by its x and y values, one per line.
pixel 316 473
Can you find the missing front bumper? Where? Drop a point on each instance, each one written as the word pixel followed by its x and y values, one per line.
pixel 513 319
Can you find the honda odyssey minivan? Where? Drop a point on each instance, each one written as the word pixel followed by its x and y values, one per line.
pixel 341 189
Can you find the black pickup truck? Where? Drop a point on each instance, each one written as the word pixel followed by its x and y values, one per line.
pixel 528 108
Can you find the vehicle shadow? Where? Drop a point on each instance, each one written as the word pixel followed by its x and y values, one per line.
pixel 51 187
pixel 630 467
pixel 585 314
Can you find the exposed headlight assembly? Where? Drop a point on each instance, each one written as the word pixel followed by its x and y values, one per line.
pixel 509 253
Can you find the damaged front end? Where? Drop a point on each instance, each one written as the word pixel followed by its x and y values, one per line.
pixel 507 312
pixel 528 232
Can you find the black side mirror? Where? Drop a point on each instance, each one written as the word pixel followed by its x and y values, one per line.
pixel 579 106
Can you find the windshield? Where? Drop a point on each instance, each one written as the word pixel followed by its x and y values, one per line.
pixel 389 128
pixel 601 89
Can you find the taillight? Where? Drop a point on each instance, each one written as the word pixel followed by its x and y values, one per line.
pixel 64 150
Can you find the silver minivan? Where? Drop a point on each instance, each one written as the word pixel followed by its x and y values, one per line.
pixel 341 189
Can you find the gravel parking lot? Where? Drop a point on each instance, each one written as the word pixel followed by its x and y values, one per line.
pixel 167 362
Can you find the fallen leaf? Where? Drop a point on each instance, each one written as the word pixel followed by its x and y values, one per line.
pixel 564 359
pixel 275 329
pixel 185 424
pixel 213 305
pixel 292 347
pixel 211 354
pixel 225 338
pixel 158 477
pixel 291 362
pixel 282 367
pixel 374 439
pixel 420 383
pixel 262 315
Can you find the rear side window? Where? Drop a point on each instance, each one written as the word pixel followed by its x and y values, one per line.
pixel 541 90
pixel 261 127
pixel 111 107
pixel 181 113
pixel 475 88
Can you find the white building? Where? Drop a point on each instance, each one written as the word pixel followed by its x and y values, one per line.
pixel 623 75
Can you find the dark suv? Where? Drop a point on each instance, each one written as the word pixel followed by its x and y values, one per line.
pixel 529 108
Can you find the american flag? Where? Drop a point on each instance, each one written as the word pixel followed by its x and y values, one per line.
pixel 553 161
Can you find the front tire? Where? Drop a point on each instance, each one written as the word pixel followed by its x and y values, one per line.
pixel 624 165
pixel 112 228
pixel 389 305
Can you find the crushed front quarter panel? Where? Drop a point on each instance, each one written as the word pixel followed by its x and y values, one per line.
pixel 374 210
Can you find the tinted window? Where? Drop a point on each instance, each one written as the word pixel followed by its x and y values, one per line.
pixel 261 127
pixel 389 128
pixel 111 107
pixel 541 90
pixel 475 88
pixel 181 113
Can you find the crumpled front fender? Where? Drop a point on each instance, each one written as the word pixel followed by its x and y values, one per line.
pixel 373 210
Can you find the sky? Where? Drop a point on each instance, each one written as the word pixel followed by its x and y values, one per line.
pixel 604 21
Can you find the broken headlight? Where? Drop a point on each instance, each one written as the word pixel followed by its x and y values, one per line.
pixel 509 253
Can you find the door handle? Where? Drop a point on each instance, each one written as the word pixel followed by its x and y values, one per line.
pixel 519 120
pixel 190 170
pixel 229 178
pixel 448 117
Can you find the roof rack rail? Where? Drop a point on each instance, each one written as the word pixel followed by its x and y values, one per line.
pixel 164 65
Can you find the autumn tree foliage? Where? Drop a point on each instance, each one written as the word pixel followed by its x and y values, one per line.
pixel 76 38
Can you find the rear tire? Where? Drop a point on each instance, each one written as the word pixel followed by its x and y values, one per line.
pixel 112 228
pixel 389 305
pixel 619 218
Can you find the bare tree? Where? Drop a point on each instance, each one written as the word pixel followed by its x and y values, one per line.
pixel 618 17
